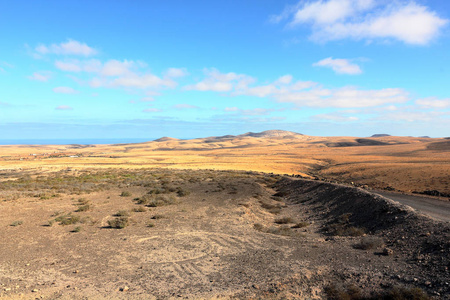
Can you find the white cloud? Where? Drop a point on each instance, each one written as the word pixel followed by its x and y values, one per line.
pixel 286 79
pixel 249 112
pixel 339 65
pixel 64 107
pixel 330 12
pixel 71 47
pixel 300 93
pixel 412 116
pixel 176 72
pixel 234 108
pixel 151 110
pixel 337 117
pixel 115 73
pixel 221 82
pixel 64 90
pixel 344 97
pixel 40 76
pixel 433 103
pixel 184 106
pixel 408 22
pixel 117 68
pixel 142 81
pixel 68 66
pixel 147 99
pixel 73 65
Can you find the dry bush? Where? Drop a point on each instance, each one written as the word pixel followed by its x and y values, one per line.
pixel 161 200
pixel 77 229
pixel 125 194
pixel 341 226
pixel 284 220
pixel 157 217
pixel 140 209
pixel 369 242
pixel 122 213
pixel 335 292
pixel 119 223
pixel 82 208
pixel 16 223
pixel 67 219
pixel 301 225
pixel 352 292
pixel 272 208
pixel 283 230
pixel 182 192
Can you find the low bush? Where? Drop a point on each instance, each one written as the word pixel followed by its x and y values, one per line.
pixel 16 223
pixel 67 219
pixel 119 222
pixel 140 209
pixel 284 220
pixel 370 242
pixel 301 225
pixel 122 213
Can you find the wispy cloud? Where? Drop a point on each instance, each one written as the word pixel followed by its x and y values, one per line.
pixel 339 65
pixel 184 106
pixel 176 72
pixel 41 76
pixel 408 22
pixel 152 110
pixel 250 112
pixel 335 117
pixel 220 82
pixel 115 73
pixel 70 47
pixel 64 107
pixel 64 90
pixel 301 93
pixel 433 103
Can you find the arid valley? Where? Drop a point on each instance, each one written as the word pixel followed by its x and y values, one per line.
pixel 270 215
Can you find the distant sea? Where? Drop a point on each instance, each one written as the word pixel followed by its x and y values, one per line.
pixel 73 141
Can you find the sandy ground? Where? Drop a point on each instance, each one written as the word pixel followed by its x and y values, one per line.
pixel 212 235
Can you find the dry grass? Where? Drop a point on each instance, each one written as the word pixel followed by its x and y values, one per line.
pixel 396 161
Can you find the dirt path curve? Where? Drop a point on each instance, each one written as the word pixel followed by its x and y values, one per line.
pixel 437 209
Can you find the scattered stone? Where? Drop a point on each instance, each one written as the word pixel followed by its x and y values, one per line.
pixel 34 290
pixel 124 289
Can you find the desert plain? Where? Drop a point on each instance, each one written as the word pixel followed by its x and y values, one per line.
pixel 270 215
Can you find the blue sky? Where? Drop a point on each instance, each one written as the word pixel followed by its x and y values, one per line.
pixel 146 69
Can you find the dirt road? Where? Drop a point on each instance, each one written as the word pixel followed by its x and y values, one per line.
pixel 437 209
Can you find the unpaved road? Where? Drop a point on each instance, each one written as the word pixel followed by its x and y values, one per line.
pixel 435 208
